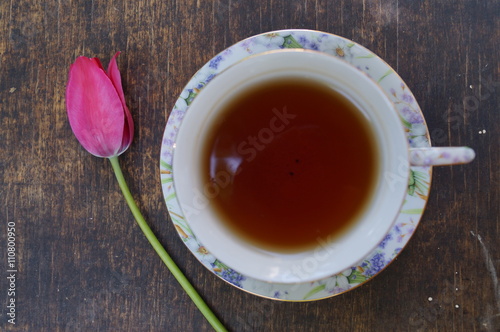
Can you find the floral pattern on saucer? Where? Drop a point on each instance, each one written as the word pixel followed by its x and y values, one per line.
pixel 418 186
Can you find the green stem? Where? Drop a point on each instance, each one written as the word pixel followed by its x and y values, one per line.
pixel 165 257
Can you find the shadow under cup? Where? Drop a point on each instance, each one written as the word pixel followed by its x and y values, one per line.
pixel 291 164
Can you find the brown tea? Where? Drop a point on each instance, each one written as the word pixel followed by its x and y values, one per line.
pixel 289 164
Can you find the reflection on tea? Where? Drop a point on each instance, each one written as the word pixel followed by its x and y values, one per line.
pixel 289 162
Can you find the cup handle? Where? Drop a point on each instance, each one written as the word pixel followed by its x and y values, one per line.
pixel 440 156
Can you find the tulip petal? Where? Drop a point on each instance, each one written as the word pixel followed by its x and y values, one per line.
pixel 98 62
pixel 128 130
pixel 115 77
pixel 95 109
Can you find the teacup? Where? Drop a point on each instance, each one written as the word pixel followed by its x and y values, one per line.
pixel 224 156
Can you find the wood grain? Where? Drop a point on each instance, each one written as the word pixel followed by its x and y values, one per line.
pixel 84 265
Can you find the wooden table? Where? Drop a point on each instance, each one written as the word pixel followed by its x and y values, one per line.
pixel 84 265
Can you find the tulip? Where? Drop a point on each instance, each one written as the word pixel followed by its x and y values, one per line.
pixel 102 123
pixel 96 107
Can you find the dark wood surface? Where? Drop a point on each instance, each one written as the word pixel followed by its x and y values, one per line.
pixel 83 263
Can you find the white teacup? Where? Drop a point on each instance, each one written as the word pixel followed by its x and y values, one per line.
pixel 329 256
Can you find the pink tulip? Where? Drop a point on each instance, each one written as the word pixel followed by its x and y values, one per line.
pixel 96 107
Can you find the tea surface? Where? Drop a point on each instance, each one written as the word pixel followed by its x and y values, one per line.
pixel 289 164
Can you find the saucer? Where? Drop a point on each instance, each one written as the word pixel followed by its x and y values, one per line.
pixel 418 187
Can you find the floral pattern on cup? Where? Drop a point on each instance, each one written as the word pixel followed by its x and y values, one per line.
pixel 411 117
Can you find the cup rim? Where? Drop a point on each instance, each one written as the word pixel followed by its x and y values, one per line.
pixel 204 236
